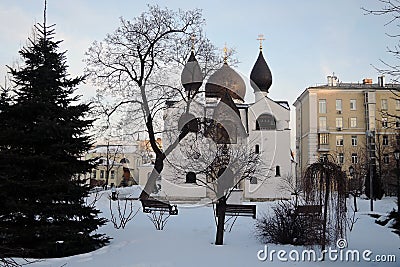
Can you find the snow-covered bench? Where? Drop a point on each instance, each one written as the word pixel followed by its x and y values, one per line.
pixel 238 210
pixel 150 205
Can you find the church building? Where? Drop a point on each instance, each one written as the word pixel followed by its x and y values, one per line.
pixel 215 118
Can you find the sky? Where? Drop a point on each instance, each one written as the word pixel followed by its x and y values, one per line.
pixel 305 40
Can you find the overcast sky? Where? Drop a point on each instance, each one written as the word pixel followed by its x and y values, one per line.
pixel 305 40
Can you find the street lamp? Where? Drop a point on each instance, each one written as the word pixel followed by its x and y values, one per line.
pixel 397 158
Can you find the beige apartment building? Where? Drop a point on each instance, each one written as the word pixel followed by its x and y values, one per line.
pixel 336 118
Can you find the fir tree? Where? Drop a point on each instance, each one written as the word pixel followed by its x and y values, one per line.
pixel 43 133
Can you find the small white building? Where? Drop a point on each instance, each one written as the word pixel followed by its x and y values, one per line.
pixel 120 161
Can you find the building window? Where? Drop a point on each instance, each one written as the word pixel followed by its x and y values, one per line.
pixel 257 149
pixel 339 123
pixel 94 174
pixel 266 122
pixel 322 123
pixel 253 180
pixel 398 140
pixel 384 104
pixel 191 178
pixel 385 140
pixel 340 158
pixel 386 158
pixel 101 174
pixel 124 160
pixel 322 106
pixel 397 122
pixel 323 157
pixel 354 158
pixel 353 104
pixel 353 122
pixel 384 122
pixel 277 171
pixel 354 140
pixel 397 104
pixel 324 139
pixel 112 174
pixel 339 140
pixel 339 104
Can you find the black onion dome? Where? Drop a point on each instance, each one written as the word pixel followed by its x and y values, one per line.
pixel 223 80
pixel 192 76
pixel 261 77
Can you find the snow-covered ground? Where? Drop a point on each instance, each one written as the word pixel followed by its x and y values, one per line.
pixel 187 240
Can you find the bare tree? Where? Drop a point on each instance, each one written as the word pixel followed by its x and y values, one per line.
pixel 159 219
pixel 124 213
pixel 139 63
pixel 391 10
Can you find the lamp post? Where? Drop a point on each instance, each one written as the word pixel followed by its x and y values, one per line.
pixel 397 158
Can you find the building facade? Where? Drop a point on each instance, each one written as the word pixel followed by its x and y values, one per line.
pixel 352 122
pixel 121 162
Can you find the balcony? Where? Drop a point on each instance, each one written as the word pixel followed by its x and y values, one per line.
pixel 323 148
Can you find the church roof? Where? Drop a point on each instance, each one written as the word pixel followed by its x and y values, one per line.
pixel 261 77
pixel 192 76
pixel 225 79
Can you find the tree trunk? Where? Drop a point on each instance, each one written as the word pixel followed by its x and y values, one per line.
pixel 221 206
pixel 355 202
pixel 151 182
pixel 327 187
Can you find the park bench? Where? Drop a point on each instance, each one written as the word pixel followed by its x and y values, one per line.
pixel 150 205
pixel 238 210
pixel 309 210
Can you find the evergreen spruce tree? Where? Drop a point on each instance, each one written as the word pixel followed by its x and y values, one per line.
pixel 43 134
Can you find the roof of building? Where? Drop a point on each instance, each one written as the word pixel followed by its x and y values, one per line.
pixel 350 86
pixel 225 79
pixel 120 149
pixel 192 76
pixel 260 76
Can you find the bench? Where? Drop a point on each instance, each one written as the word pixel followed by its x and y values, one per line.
pixel 238 210
pixel 308 210
pixel 150 205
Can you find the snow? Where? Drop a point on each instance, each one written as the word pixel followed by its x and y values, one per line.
pixel 187 239
pixel 102 149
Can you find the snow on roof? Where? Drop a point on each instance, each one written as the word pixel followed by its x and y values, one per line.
pixel 114 148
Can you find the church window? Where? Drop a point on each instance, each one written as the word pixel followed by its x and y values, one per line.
pixel 277 171
pixel 266 122
pixel 257 149
pixel 191 178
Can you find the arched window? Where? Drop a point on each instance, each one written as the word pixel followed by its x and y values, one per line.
pixel 191 178
pixel 124 160
pixel 257 149
pixel 266 122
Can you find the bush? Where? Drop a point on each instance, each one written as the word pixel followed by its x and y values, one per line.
pixel 285 226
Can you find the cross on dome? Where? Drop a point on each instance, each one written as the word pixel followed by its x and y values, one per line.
pixel 261 39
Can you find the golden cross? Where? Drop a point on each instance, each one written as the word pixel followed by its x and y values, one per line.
pixel 225 53
pixel 261 38
pixel 193 38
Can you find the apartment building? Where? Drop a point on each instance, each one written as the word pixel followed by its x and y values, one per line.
pixel 352 122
